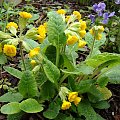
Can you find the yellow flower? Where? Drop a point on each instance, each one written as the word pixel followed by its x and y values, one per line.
pixel 82 33
pixel 25 15
pixel 101 29
pixel 42 33
pixel 34 52
pixel 77 14
pixel 9 50
pixel 72 39
pixel 66 105
pixel 92 31
pixel 83 25
pixel 45 25
pixel 61 11
pixel 0 47
pixel 98 36
pixel 67 18
pixel 81 43
pixel 33 62
pixel 77 100
pixel 11 24
pixel 72 96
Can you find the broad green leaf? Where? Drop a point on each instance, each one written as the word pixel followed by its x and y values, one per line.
pixel 4 35
pixel 47 90
pixel 51 53
pixel 10 108
pixel 30 106
pixel 16 73
pixel 106 93
pixel 102 81
pixel 112 74
pixel 13 30
pixel 27 85
pixel 84 108
pixel 11 97
pixel 56 27
pixel 3 58
pixel 89 39
pixel 101 105
pixel 85 85
pixel 94 94
pixel 52 111
pixel 30 44
pixel 51 71
pixel 99 59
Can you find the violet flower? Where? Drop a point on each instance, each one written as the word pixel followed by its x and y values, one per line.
pixel 106 17
pixel 117 2
pixel 92 17
pixel 99 8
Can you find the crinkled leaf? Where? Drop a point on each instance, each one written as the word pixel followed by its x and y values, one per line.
pixel 11 97
pixel 3 58
pixel 10 108
pixel 30 106
pixel 15 72
pixel 27 85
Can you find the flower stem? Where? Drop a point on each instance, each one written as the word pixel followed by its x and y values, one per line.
pixel 57 55
pixel 91 51
pixel 22 56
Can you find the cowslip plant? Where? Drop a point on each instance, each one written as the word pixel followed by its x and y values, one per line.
pixel 50 80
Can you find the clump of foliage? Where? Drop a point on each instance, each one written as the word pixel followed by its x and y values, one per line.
pixel 50 81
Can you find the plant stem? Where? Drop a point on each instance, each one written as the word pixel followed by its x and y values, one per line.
pixel 22 56
pixel 92 46
pixel 63 78
pixel 57 55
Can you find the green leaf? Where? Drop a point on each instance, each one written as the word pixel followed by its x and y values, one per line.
pixel 30 44
pixel 89 39
pixel 11 97
pixel 99 59
pixel 27 85
pixel 47 90
pixel 102 81
pixel 84 108
pixel 56 27
pixel 51 53
pixel 112 74
pixel 10 108
pixel 101 105
pixel 52 111
pixel 30 106
pixel 51 71
pixel 16 73
pixel 4 35
pixel 85 85
pixel 3 58
pixel 13 30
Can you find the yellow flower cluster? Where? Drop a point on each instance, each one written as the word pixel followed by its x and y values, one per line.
pixel 72 97
pixel 82 28
pixel 11 24
pixel 96 32
pixel 42 32
pixel 72 39
pixel 9 50
pixel 61 11
pixel 25 15
pixel 67 18
pixel 34 52
pixel 81 43
pixel 77 14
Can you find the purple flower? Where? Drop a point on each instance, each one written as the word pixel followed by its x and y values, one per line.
pixel 92 17
pixel 99 8
pixel 106 17
pixel 117 1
